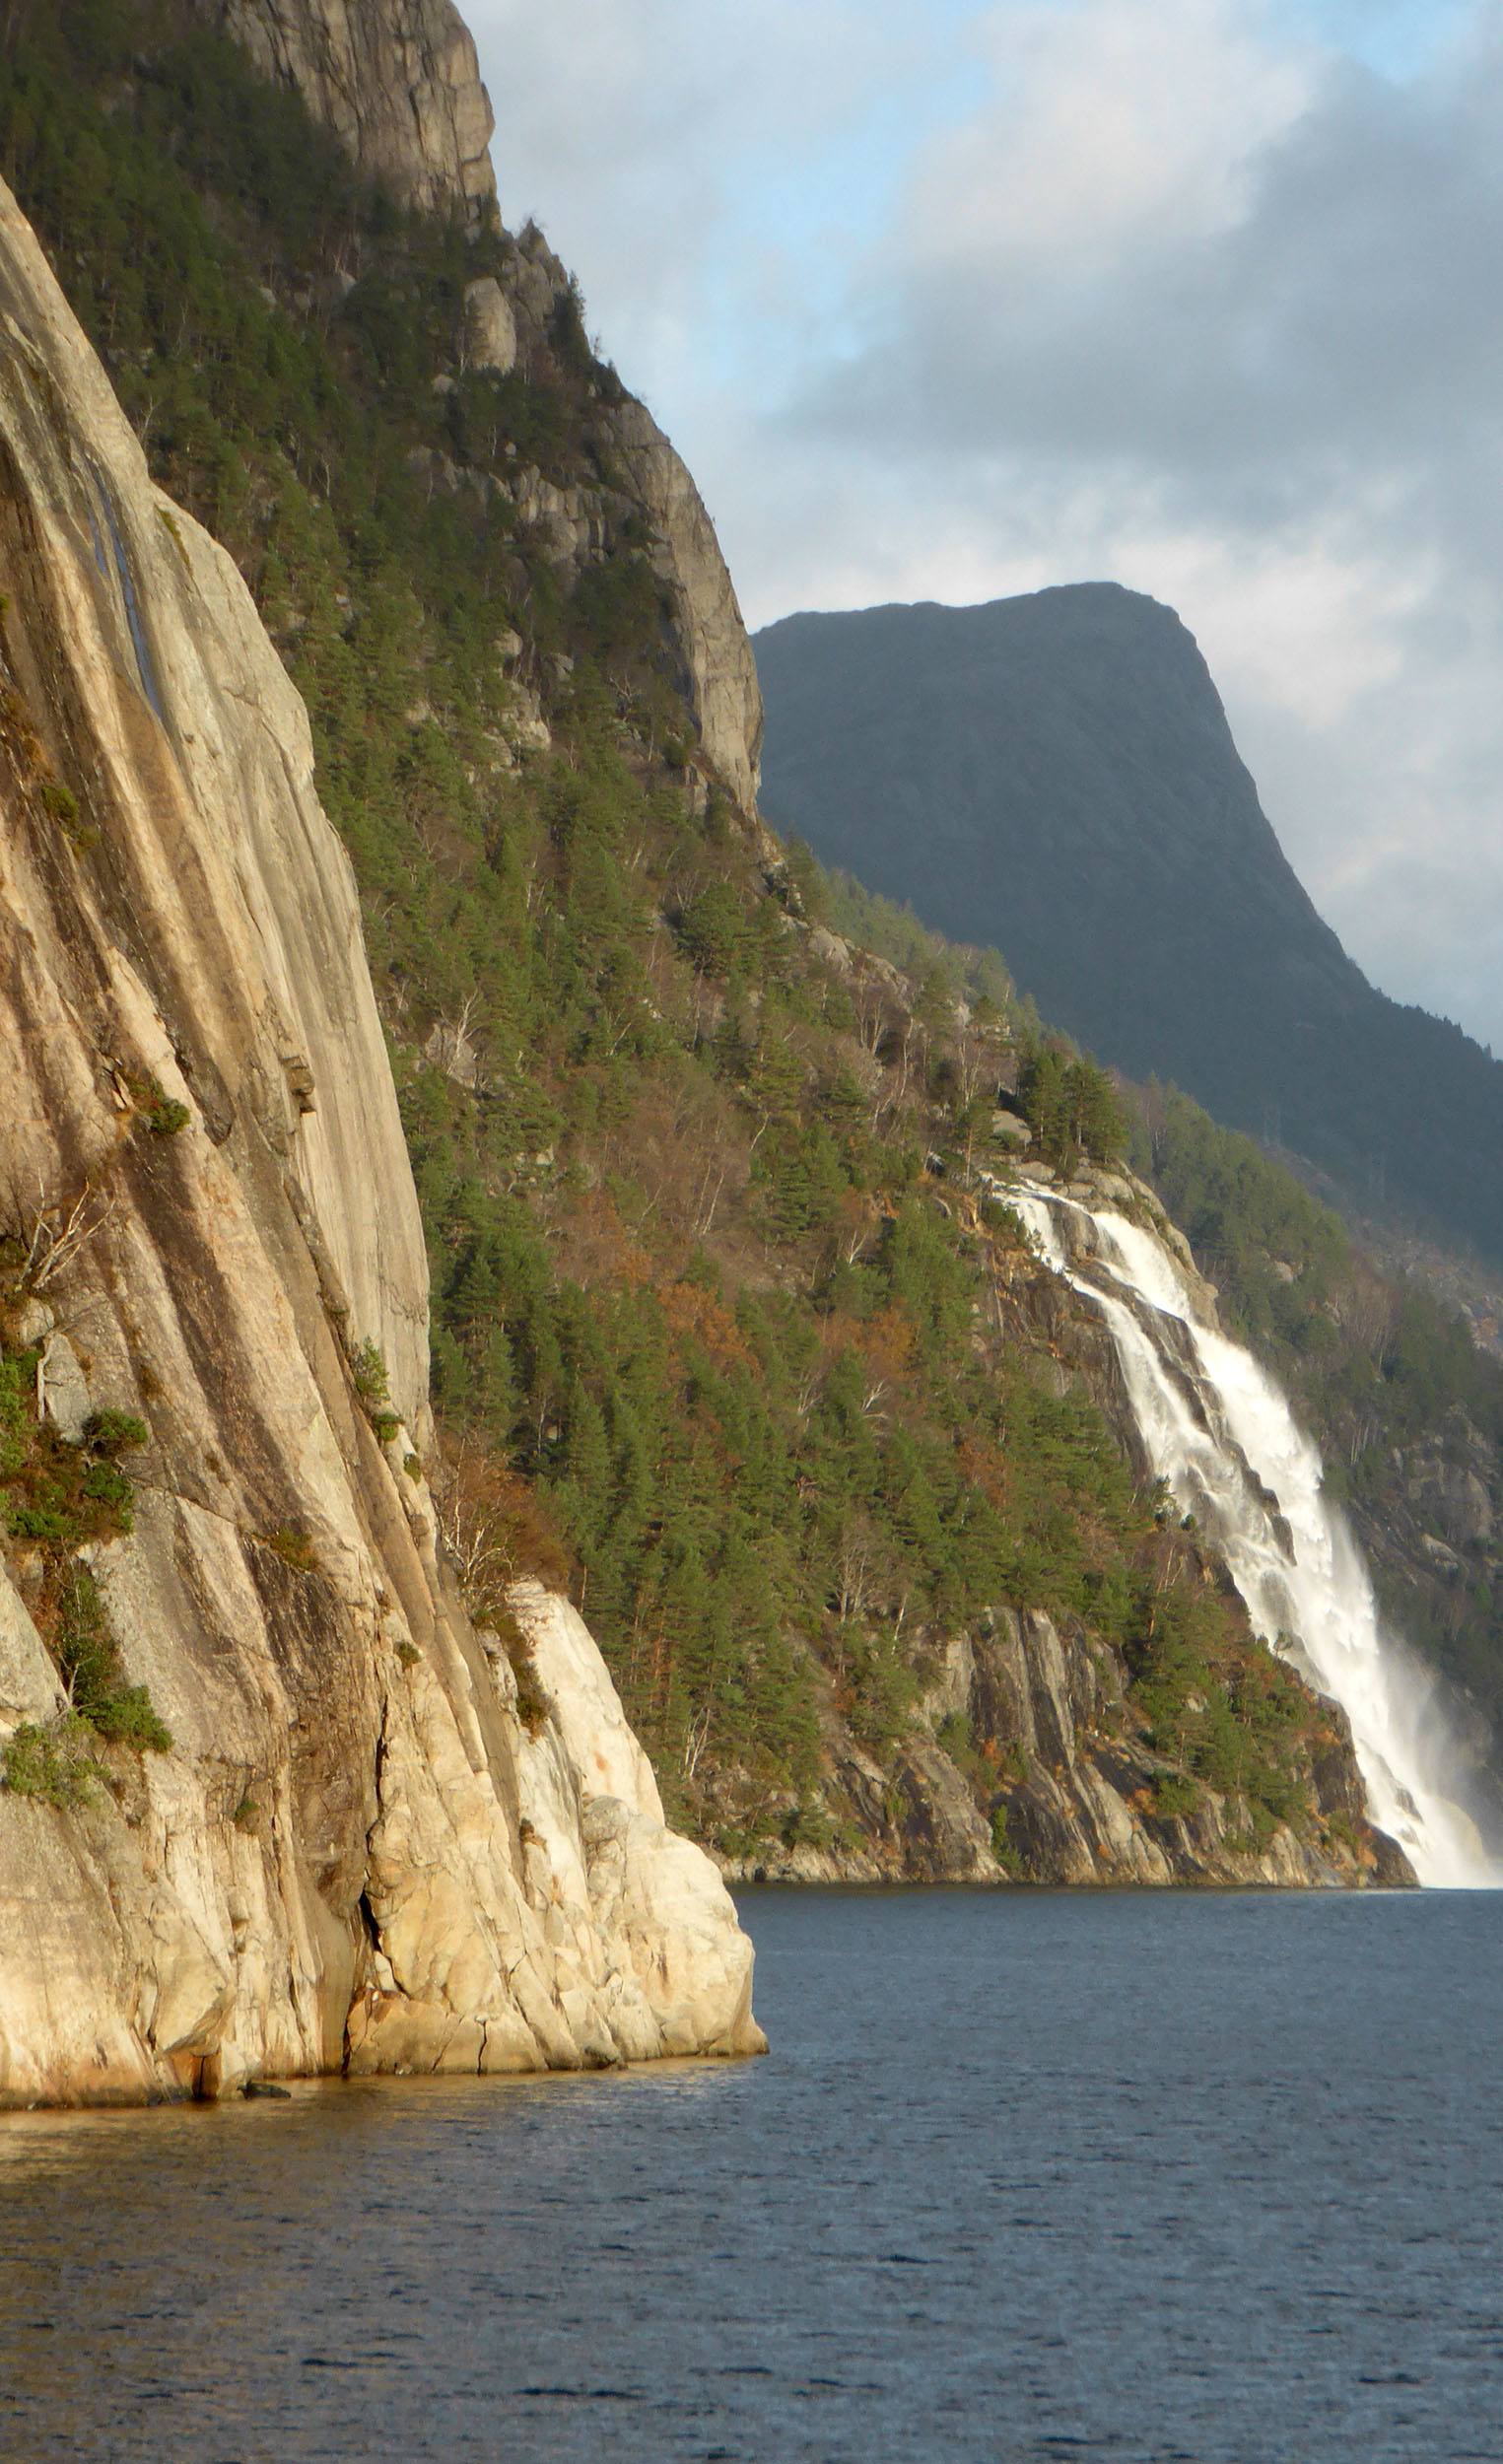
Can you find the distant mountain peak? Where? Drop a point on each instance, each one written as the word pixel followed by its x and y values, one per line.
pixel 1054 774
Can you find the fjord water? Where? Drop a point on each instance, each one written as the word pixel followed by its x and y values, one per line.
pixel 1220 1431
pixel 1155 2178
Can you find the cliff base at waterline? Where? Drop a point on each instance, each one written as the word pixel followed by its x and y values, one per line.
pixel 271 1804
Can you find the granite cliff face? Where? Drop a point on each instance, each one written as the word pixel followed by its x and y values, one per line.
pixel 356 1852
pixel 643 486
pixel 397 82
pixel 1048 1702
pixel 719 668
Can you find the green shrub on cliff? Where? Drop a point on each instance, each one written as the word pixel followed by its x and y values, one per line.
pixel 18 1409
pixel 1071 1107
pixel 51 1761
pixel 88 1663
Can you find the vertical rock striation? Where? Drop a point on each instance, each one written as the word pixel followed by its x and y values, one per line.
pixel 397 81
pixel 356 1852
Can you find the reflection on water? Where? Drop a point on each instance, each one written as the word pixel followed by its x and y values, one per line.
pixel 1027 2175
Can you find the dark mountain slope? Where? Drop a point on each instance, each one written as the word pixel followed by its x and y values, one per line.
pixel 1056 775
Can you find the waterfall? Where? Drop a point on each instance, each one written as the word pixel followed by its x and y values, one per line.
pixel 1220 1431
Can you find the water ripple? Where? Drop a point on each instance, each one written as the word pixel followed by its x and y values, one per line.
pixel 1152 2180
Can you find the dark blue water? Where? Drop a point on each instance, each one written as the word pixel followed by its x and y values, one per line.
pixel 1028 2175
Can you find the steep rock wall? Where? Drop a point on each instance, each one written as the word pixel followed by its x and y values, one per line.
pixel 356 1852
pixel 1046 1704
pixel 649 480
pixel 720 672
pixel 397 81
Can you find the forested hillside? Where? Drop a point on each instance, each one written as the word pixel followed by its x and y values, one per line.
pixel 725 1326
pixel 1405 1400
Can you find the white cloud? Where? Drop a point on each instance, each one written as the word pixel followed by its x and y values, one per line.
pixel 1113 126
pixel 651 137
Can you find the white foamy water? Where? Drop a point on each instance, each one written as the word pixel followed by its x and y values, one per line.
pixel 1219 1430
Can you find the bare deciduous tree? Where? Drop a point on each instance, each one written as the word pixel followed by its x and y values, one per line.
pixel 51 1233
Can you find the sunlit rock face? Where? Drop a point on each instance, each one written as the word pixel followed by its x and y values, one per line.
pixel 355 1853
pixel 397 81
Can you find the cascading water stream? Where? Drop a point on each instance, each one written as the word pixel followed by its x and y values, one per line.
pixel 1220 1431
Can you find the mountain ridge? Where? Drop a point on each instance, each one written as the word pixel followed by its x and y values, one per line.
pixel 1055 773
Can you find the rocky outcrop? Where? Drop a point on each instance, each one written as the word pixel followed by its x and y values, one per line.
pixel 720 671
pixel 1450 1484
pixel 648 488
pixel 356 1852
pixel 1085 1808
pixel 397 81
pixel 491 326
pixel 1034 1772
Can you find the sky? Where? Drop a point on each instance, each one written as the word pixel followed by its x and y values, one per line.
pixel 951 299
